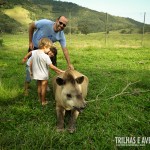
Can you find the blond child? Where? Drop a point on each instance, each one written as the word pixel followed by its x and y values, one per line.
pixel 51 53
pixel 40 62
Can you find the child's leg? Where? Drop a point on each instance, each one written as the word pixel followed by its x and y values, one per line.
pixel 43 91
pixel 39 88
pixel 48 89
pixel 27 81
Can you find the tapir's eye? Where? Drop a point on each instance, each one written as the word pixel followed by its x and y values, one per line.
pixel 69 96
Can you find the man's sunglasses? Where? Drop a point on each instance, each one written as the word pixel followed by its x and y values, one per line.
pixel 64 25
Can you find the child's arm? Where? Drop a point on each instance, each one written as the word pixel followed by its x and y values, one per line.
pixel 26 57
pixel 57 70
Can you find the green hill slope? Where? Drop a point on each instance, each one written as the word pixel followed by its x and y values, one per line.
pixel 81 19
pixel 19 14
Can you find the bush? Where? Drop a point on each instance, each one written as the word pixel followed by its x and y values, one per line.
pixel 123 31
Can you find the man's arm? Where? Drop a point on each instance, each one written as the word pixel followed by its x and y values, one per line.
pixel 66 54
pixel 32 27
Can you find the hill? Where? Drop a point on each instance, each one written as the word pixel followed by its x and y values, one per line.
pixel 20 13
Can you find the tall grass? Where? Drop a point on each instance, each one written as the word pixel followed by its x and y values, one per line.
pixel 118 97
pixel 113 39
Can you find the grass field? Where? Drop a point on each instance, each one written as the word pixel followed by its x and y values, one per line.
pixel 118 97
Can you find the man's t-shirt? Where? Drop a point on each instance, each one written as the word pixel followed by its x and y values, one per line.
pixel 45 30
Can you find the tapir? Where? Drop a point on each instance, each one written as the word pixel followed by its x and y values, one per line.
pixel 70 90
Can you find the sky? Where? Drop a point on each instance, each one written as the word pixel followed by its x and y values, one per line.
pixel 133 9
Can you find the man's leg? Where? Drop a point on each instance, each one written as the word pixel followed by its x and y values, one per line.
pixel 27 81
pixel 26 88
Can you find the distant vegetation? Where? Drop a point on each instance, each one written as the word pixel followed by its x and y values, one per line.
pixel 82 20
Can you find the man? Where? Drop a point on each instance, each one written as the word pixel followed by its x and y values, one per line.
pixel 53 31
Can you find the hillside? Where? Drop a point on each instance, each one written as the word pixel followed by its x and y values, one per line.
pixel 82 20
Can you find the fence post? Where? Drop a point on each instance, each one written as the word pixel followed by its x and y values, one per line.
pixel 106 21
pixel 143 28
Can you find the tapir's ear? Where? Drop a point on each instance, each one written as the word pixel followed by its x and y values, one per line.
pixel 60 81
pixel 79 80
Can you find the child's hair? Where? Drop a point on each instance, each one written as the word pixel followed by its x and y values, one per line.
pixel 45 42
pixel 53 49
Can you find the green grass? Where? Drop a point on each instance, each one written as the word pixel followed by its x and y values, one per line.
pixel 26 125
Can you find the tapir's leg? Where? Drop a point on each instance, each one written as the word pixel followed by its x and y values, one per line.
pixel 72 122
pixel 60 118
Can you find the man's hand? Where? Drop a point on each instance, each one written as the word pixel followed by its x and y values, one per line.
pixel 31 46
pixel 70 67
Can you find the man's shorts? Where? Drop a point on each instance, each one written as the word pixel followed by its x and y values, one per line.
pixel 28 77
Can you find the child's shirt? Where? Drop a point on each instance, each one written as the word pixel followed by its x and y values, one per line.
pixel 29 60
pixel 40 65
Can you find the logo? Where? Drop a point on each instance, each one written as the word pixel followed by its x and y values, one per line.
pixel 132 141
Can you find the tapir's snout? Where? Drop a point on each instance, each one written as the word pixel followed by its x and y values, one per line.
pixel 80 109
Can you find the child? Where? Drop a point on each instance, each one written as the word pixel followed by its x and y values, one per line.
pixel 51 53
pixel 40 62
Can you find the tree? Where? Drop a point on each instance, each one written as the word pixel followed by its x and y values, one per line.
pixel 83 28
